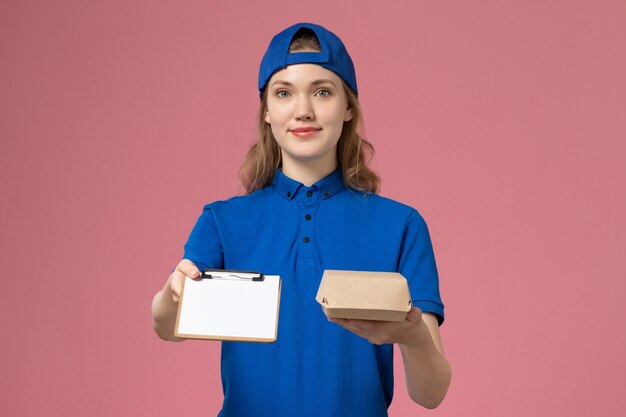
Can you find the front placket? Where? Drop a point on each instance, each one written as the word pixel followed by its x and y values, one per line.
pixel 308 202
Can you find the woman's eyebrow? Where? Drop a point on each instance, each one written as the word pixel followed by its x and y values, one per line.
pixel 316 82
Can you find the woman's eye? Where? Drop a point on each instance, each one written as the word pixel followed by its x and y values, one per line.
pixel 279 93
pixel 324 91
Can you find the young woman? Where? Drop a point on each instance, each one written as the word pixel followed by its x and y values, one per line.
pixel 311 205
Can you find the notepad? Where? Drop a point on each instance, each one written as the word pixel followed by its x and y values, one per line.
pixel 229 309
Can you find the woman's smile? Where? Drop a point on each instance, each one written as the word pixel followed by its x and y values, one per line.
pixel 304 132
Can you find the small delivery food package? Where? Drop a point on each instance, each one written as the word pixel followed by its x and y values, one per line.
pixel 364 295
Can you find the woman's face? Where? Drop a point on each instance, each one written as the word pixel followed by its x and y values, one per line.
pixel 307 96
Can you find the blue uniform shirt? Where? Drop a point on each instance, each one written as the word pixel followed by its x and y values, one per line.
pixel 315 368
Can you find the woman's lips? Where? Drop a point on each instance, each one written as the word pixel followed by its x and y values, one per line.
pixel 304 133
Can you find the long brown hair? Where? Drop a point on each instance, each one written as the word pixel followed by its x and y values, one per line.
pixel 353 151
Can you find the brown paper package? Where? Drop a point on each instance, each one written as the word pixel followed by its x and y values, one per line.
pixel 364 295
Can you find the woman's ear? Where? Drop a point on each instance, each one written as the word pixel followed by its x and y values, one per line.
pixel 348 115
pixel 266 116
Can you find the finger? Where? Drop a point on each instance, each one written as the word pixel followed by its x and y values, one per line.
pixel 372 337
pixel 414 315
pixel 188 268
pixel 361 327
pixel 344 322
pixel 367 324
pixel 353 329
pixel 176 285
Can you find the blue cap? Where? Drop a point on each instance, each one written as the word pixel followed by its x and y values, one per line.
pixel 333 55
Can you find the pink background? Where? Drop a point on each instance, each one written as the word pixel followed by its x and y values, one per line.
pixel 501 122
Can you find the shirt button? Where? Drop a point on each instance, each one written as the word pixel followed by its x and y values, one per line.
pixel 288 193
pixel 308 217
pixel 326 194
pixel 306 240
pixel 309 193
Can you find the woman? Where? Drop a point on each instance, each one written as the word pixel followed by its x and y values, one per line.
pixel 311 205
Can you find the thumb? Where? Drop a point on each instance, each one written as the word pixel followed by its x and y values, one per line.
pixel 193 272
pixel 189 268
pixel 414 315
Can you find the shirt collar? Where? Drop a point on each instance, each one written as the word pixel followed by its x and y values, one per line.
pixel 327 186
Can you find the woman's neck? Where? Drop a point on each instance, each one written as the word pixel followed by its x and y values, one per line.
pixel 309 172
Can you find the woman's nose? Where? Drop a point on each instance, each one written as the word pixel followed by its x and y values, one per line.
pixel 304 109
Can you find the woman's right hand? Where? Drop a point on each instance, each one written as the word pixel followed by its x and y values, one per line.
pixel 184 268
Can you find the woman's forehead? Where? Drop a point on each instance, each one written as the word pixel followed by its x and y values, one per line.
pixel 304 75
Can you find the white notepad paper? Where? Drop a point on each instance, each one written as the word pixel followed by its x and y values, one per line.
pixel 229 309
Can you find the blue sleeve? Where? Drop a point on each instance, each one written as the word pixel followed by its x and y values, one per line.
pixel 417 265
pixel 204 246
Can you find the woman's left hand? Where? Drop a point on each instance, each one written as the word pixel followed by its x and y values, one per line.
pixel 382 332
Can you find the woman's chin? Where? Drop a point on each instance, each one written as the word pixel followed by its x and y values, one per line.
pixel 307 157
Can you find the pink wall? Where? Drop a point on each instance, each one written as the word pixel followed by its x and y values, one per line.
pixel 501 122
